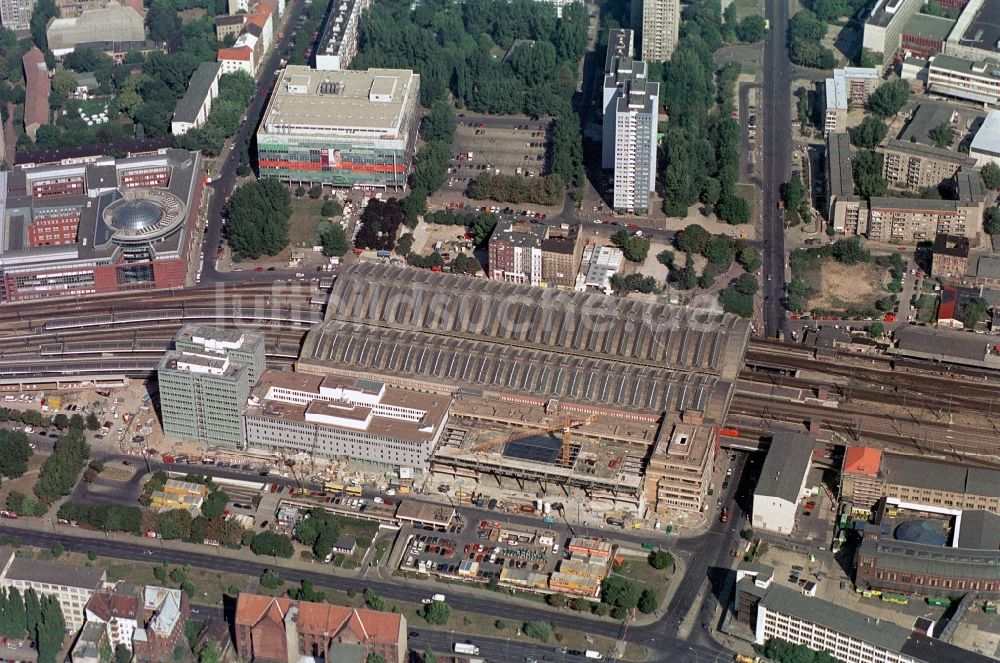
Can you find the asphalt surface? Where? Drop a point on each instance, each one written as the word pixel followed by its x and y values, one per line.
pixel 775 132
pixel 225 179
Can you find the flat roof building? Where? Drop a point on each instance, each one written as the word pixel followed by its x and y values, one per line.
pixel 679 472
pixel 362 125
pixel 848 87
pixel 924 36
pixel 912 166
pixel 972 80
pixel 114 22
pixel 950 257
pixel 16 14
pixel 985 147
pixel 71 585
pixel 847 212
pixel 98 225
pixel 535 253
pixel 661 21
pixel 911 220
pixel 782 482
pixel 335 417
pixel 205 382
pixel 339 42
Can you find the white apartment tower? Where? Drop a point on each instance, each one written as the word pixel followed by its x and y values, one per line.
pixel 631 106
pixel 661 20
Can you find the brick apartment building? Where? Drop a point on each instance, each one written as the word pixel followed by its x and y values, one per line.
pixel 280 630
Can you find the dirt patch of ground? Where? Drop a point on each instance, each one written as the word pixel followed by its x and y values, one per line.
pixel 837 286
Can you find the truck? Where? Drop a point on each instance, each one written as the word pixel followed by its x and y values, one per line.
pixel 438 597
pixel 724 516
pixel 466 648
pixel 590 653
pixel 382 253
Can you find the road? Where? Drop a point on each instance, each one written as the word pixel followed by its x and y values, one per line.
pixel 225 178
pixel 777 144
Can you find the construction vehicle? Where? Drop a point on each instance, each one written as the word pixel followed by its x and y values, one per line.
pixel 740 658
pixel 566 425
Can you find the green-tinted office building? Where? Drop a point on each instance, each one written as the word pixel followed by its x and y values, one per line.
pixel 205 382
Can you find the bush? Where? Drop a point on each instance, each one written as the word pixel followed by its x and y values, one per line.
pixel 331 208
pixel 270 580
pixel 538 630
pixel 556 600
pixel 436 612
pixel 500 624
pixel 635 247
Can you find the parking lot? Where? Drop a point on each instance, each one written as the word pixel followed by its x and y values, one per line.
pixel 505 145
pixel 485 547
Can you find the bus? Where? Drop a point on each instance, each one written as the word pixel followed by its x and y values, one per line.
pixel 353 490
pixel 332 487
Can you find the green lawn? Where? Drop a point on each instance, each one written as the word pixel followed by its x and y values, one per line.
pixel 302 224
pixel 927 308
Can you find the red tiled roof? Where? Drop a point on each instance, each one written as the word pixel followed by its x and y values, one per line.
pixel 862 460
pixel 108 605
pixel 365 625
pixel 37 88
pixel 242 53
pixel 259 14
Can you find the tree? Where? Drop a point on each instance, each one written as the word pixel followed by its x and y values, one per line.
pixel 162 21
pixel 941 135
pixel 440 122
pixel 429 656
pixel 209 654
pixel 648 601
pixel 538 630
pixel 991 220
pixel 215 504
pixel 829 10
pixel 375 658
pixel 746 284
pixel 175 524
pixel 61 421
pixel 867 171
pixel 556 600
pixel 751 29
pixel 660 559
pixel 991 176
pixel 665 258
pixel 122 653
pixel 870 132
pixel 270 580
pixel 635 247
pixel 93 423
pixel 975 311
pixel 720 252
pixel 43 11
pixel 792 192
pixel 50 629
pixel 271 543
pixel 57 550
pixel 306 591
pixel 805 34
pixel 748 257
pixel 331 208
pixel 889 98
pixel 735 302
pixel 693 239
pixel 849 251
pixel 315 191
pixel 333 238
pixel 15 451
pixel 436 612
pixel 876 330
pixel 61 469
pixel 258 214
pixel 619 592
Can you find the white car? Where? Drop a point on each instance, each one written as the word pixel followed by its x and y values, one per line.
pixel 29 429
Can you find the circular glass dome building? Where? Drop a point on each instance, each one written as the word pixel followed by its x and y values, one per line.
pixel 136 215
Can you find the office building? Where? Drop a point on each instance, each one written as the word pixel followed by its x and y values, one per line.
pixel 229 25
pixel 971 80
pixel 334 417
pixel 339 42
pixel 205 382
pixel 535 253
pixel 909 165
pixel 121 23
pixel 661 20
pixel 885 24
pixel 782 482
pixel 16 14
pixel 847 212
pixel 284 630
pixel 71 585
pixel 597 266
pixel 923 36
pixel 193 108
pixel 340 128
pixel 775 611
pixel 679 472
pixel 976 34
pixel 98 225
pixel 985 147
pixel 37 88
pixel 631 115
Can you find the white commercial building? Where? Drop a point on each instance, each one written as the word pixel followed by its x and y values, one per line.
pixel 782 482
pixel 977 81
pixel 985 147
pixel 116 23
pixel 335 417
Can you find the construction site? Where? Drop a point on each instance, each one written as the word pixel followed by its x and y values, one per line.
pixel 553 394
